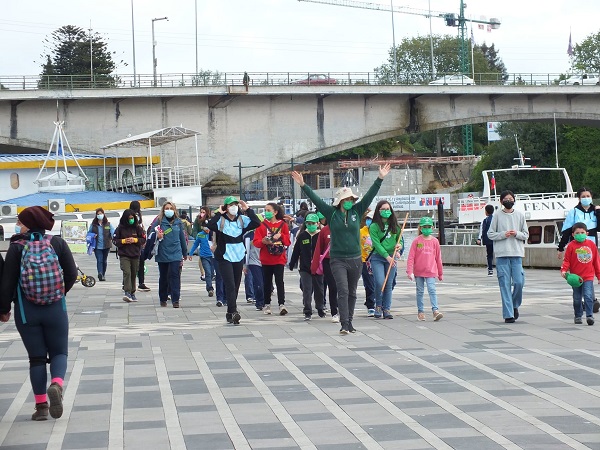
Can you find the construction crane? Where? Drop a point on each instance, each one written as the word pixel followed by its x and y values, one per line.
pixel 451 19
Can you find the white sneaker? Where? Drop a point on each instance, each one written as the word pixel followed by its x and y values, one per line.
pixel 267 309
pixel 282 310
pixel 335 318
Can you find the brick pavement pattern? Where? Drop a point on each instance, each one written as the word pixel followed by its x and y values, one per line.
pixel 142 376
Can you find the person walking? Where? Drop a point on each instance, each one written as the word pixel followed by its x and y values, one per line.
pixel 41 318
pixel 509 232
pixel 312 285
pixel 172 250
pixel 141 274
pixel 344 222
pixel 424 265
pixel 129 239
pixel 273 239
pixel 367 272
pixel 253 266
pixel 104 231
pixel 230 224
pixel 322 260
pixel 483 238
pixel 385 234
pixel 203 243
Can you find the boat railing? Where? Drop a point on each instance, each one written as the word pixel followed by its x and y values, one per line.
pixel 496 198
pixel 462 235
pixel 179 176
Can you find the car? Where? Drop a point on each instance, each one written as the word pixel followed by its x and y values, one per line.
pixel 453 80
pixel 317 78
pixel 586 79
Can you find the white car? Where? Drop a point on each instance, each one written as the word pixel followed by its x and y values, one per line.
pixel 587 79
pixel 454 80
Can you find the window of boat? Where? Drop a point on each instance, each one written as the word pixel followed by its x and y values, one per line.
pixel 550 234
pixel 535 235
pixel 8 219
pixel 65 217
pixel 14 180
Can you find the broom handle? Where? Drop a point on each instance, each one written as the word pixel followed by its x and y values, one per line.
pixel 394 255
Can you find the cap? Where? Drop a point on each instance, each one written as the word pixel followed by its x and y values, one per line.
pixel 370 214
pixel 229 200
pixel 426 221
pixel 574 280
pixel 311 218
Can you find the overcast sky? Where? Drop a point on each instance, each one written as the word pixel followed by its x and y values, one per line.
pixel 287 35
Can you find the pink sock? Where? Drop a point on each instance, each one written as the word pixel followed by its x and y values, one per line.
pixel 58 381
pixel 40 398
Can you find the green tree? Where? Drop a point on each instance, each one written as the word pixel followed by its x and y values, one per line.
pixel 207 77
pixel 67 60
pixel 383 149
pixel 495 63
pixel 586 56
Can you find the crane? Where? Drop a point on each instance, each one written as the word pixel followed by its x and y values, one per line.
pixel 451 19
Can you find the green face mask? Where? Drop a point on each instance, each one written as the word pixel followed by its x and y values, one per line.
pixel 311 228
pixel 580 237
pixel 385 213
pixel 269 214
pixel 426 231
pixel 348 205
pixel 131 221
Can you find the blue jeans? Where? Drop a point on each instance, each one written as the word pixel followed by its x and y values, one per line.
pixel 586 290
pixel 248 285
pixel 209 270
pixel 169 281
pixel 430 282
pixel 101 259
pixel 369 285
pixel 510 271
pixel 257 285
pixel 219 286
pixel 380 266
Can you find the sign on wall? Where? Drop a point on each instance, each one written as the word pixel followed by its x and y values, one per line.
pixel 492 131
pixel 74 233
pixel 417 202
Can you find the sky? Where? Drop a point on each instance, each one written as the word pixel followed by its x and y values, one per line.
pixel 286 35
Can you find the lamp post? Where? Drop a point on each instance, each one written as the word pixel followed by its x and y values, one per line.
pixel 154 47
pixel 133 43
pixel 240 167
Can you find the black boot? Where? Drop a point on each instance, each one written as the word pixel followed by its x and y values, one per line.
pixel 345 328
pixel 350 327
pixel 229 317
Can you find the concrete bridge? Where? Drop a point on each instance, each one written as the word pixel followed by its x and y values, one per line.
pixel 270 125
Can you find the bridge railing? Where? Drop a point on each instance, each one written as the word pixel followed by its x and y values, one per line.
pixel 124 81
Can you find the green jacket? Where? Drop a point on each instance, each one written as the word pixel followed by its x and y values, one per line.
pixel 387 247
pixel 344 226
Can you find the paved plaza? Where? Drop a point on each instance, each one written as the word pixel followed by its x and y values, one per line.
pixel 141 376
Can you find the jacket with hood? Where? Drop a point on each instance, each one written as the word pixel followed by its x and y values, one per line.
pixel 124 231
pixel 578 214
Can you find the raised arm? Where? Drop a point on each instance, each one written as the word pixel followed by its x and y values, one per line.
pixel 324 208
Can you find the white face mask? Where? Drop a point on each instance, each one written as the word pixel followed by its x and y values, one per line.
pixel 100 216
pixel 233 210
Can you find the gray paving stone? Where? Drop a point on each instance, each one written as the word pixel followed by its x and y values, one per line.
pixel 216 441
pixel 87 440
pixel 153 424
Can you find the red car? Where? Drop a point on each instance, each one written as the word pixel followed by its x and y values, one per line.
pixel 317 78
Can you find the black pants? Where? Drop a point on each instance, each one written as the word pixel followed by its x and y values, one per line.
pixel 140 273
pixel 331 286
pixel 489 249
pixel 268 273
pixel 231 273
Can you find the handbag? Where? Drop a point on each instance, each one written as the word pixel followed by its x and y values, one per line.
pixel 321 258
pixel 276 248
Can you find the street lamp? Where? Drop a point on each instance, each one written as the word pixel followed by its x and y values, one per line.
pixel 154 47
pixel 240 167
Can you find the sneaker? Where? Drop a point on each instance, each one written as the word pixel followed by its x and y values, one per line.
pixel 516 313
pixel 335 318
pixel 211 293
pixel 163 304
pixel 321 313
pixel 229 317
pixel 41 411
pixel 371 313
pixel 101 277
pixel 421 317
pixel 307 317
pixel 596 308
pixel 509 320
pixel 133 298
pixel 590 320
pixel 578 321
pixel 259 308
pixel 143 288
pixel 55 395
pixel 219 303
pixel 202 278
pixel 437 315
pixel 176 305
pixel 250 300
pixel 344 330
pixel 127 297
pixel 377 313
pixel 387 315
pixel 267 309
pixel 351 329
pixel 236 318
pixel 282 310
pixel 490 273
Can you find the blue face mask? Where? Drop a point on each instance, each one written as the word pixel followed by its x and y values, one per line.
pixel 368 222
pixel 586 201
pixel 169 213
pixel 17 229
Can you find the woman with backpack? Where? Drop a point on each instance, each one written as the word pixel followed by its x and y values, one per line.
pixel 104 232
pixel 273 238
pixel 38 291
pixel 129 239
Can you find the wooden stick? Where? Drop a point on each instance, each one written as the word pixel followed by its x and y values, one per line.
pixel 387 275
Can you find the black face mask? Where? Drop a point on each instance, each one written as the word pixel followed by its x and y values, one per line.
pixel 508 204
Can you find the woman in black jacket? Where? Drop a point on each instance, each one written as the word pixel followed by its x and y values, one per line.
pixel 129 238
pixel 44 328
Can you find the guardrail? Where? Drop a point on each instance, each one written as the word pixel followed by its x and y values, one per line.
pixel 125 81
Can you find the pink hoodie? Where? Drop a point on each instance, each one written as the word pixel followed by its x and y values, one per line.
pixel 425 258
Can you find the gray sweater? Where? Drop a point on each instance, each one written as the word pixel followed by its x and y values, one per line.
pixel 513 245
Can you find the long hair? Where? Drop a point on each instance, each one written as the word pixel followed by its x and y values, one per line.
pixel 161 214
pixel 124 221
pixel 104 219
pixel 392 221
pixel 207 215
pixel 277 209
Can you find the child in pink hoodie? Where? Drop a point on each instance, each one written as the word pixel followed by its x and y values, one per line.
pixel 424 265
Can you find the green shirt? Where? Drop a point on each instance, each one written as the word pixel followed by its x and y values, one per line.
pixel 387 247
pixel 344 225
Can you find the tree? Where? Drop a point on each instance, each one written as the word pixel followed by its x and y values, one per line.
pixel 67 60
pixel 495 63
pixel 383 149
pixel 586 56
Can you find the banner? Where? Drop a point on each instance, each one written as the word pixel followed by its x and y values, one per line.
pixel 492 129
pixel 74 233
pixel 417 202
